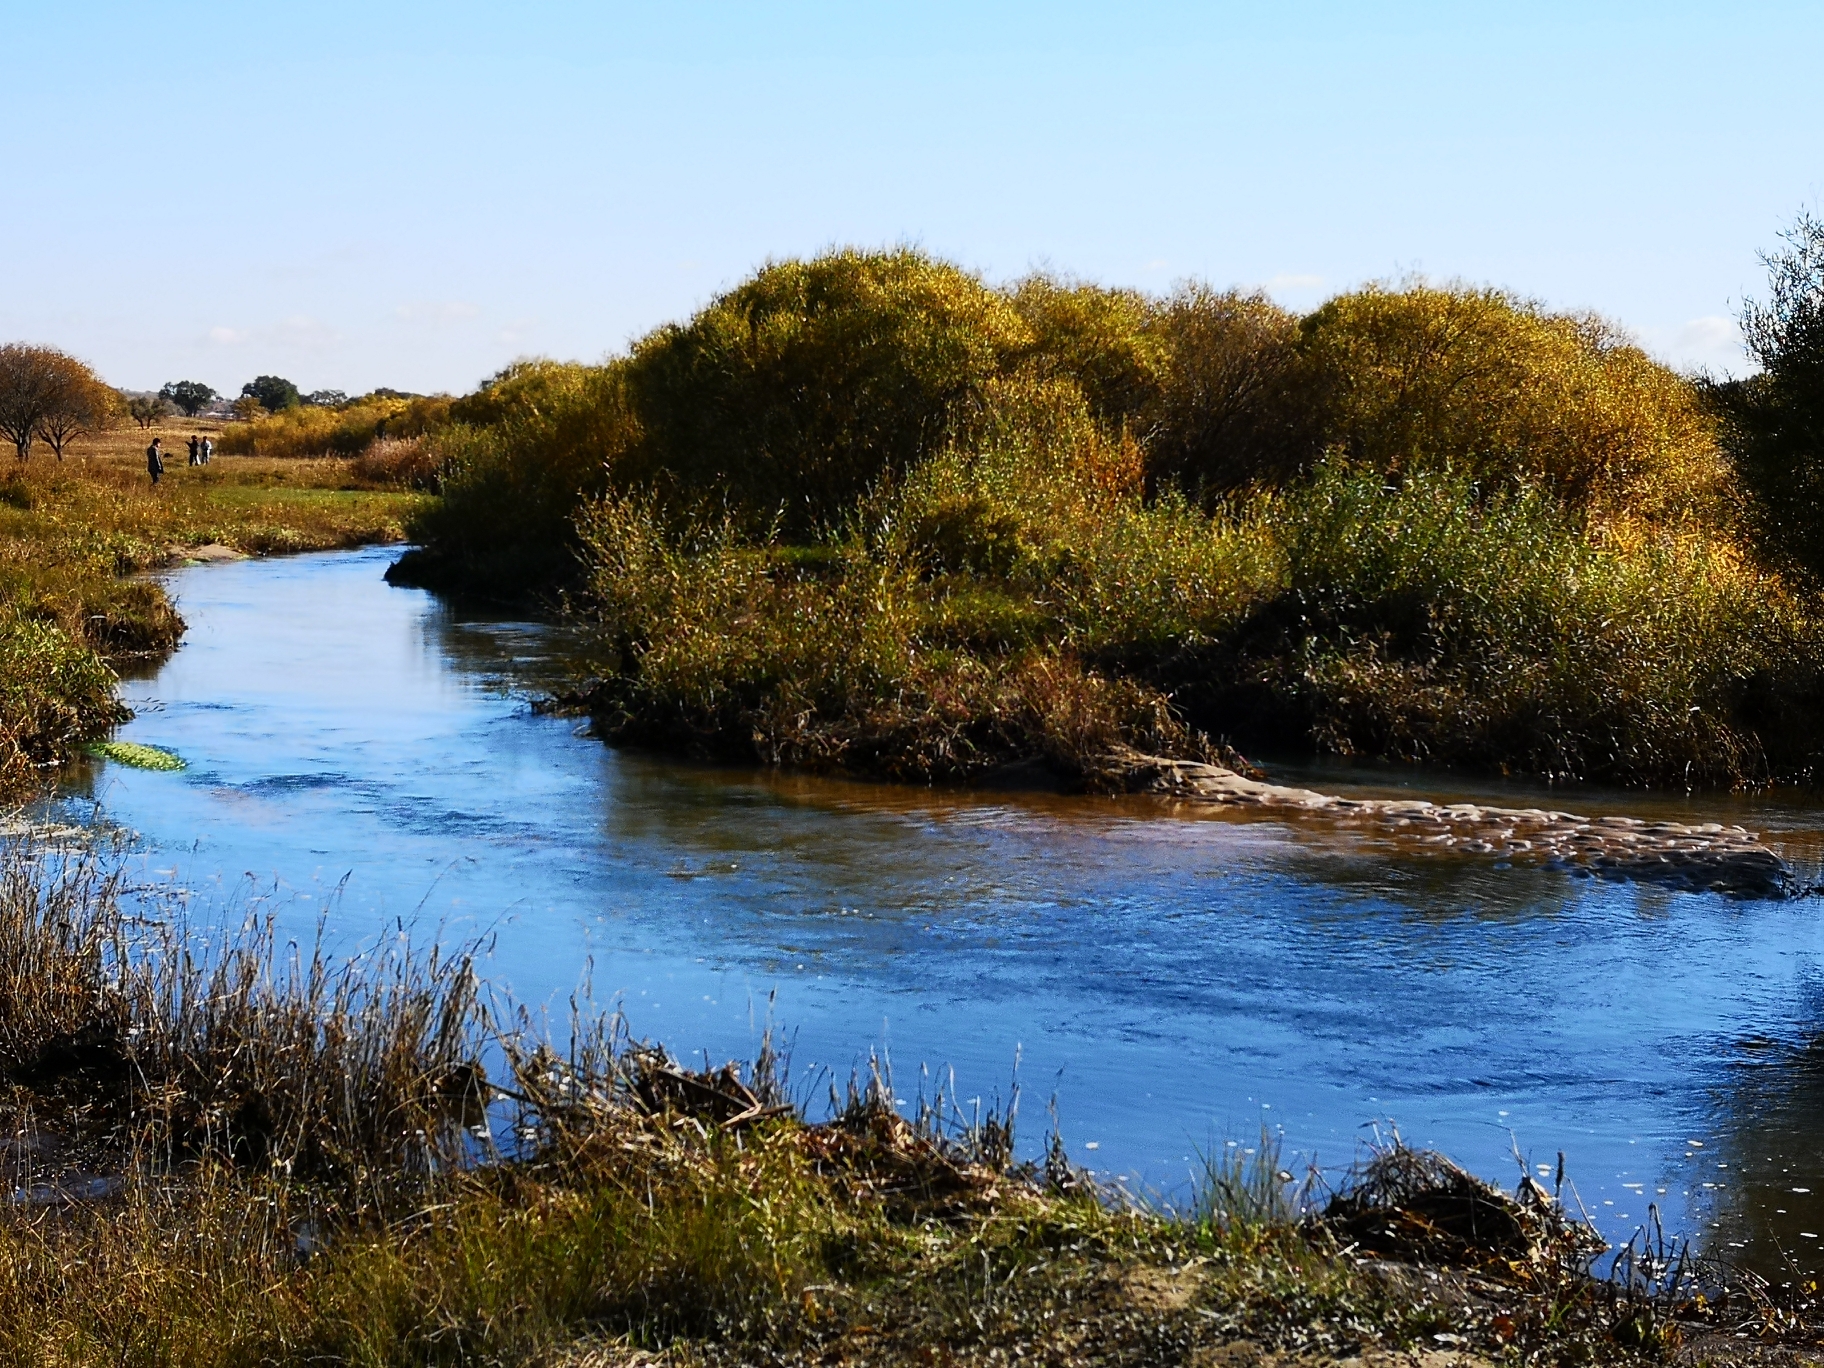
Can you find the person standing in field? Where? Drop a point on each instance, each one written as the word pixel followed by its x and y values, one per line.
pixel 208 450
pixel 196 451
pixel 155 463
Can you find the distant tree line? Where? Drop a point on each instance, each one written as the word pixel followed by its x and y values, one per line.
pixel 49 396
pixel 259 396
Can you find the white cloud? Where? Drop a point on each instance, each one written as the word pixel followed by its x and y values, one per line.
pixel 299 333
pixel 1713 342
pixel 1708 334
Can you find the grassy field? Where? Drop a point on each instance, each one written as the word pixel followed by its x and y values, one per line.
pixel 75 534
pixel 239 1155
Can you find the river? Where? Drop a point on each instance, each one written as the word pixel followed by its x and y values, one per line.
pixel 1175 980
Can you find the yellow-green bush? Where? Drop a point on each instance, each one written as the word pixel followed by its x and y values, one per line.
pixel 867 511
pixel 1422 378
pixel 1105 340
pixel 518 460
pixel 310 430
pixel 794 393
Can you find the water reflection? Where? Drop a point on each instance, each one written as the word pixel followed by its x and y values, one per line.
pixel 1171 974
pixel 1758 1183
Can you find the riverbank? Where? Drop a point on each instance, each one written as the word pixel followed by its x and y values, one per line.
pixel 76 536
pixel 229 1157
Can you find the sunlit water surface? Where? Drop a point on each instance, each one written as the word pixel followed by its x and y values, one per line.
pixel 1175 979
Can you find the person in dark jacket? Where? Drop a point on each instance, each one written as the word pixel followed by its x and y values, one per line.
pixel 155 463
pixel 196 451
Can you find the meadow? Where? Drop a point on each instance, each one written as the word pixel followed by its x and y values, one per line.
pixel 77 535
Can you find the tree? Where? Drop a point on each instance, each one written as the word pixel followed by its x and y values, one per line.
pixel 147 409
pixel 247 408
pixel 274 392
pixel 1773 423
pixel 326 398
pixel 189 395
pixel 28 387
pixel 79 405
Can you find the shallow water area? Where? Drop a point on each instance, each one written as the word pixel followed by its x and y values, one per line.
pixel 1177 978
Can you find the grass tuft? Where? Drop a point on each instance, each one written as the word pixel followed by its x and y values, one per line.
pixel 136 755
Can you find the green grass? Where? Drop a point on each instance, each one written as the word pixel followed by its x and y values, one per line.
pixel 135 755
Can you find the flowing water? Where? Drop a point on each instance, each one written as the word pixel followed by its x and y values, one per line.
pixel 1177 980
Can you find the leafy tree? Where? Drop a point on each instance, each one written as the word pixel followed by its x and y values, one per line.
pixel 33 381
pixel 273 392
pixel 326 398
pixel 1774 421
pixel 147 409
pixel 80 404
pixel 189 395
pixel 247 408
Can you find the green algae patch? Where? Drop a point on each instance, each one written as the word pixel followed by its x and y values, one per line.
pixel 136 755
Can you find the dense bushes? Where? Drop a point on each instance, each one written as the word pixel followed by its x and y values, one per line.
pixel 347 430
pixel 1420 379
pixel 1434 622
pixel 867 512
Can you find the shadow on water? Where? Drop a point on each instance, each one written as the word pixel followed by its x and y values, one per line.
pixel 1170 974
pixel 1758 1184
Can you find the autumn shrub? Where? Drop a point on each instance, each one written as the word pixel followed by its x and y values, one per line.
pixel 798 390
pixel 406 462
pixel 1105 340
pixel 1422 378
pixel 55 692
pixel 863 511
pixel 1440 622
pixel 346 430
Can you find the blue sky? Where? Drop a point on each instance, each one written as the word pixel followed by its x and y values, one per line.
pixel 355 195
